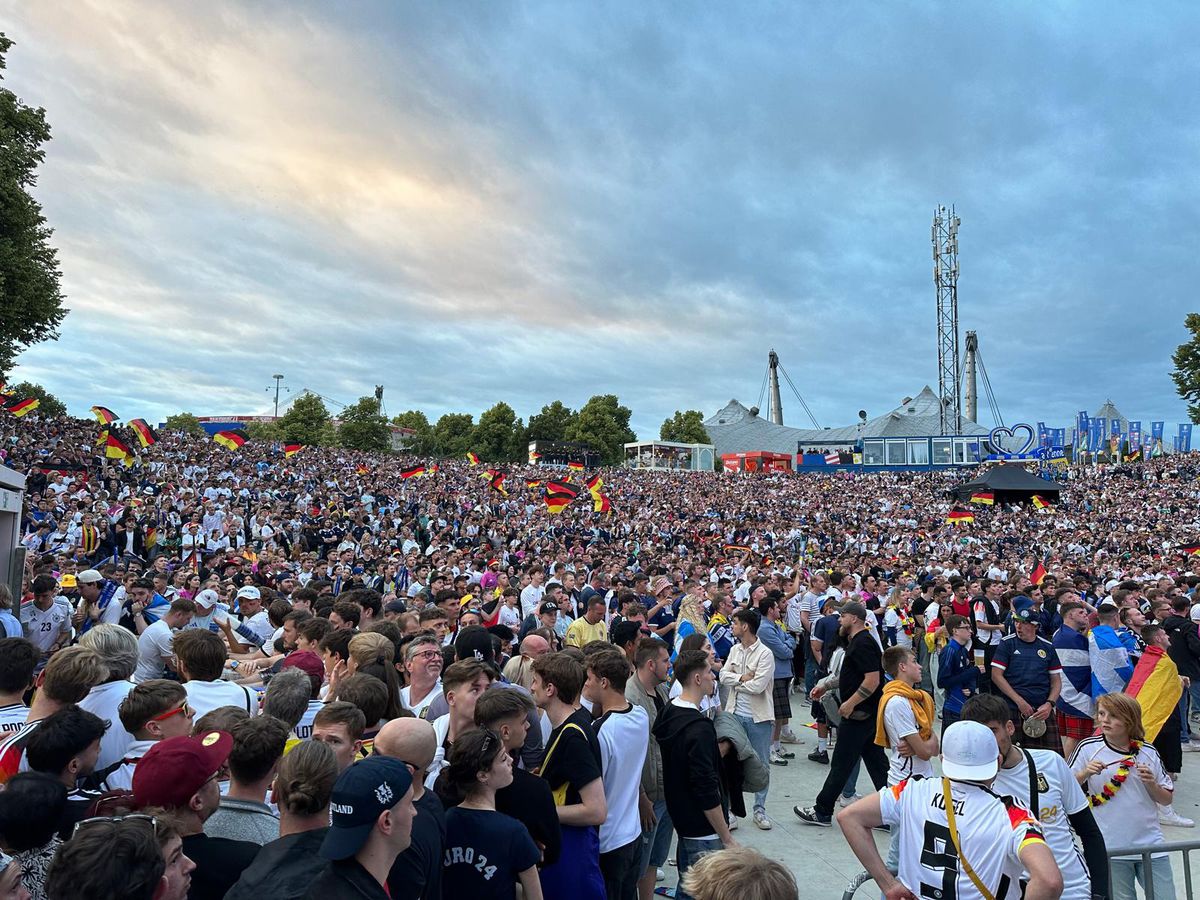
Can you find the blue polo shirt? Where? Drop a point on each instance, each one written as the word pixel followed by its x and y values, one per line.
pixel 1027 667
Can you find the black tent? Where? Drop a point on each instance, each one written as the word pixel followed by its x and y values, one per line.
pixel 1009 484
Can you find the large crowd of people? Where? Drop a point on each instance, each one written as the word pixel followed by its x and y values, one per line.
pixel 276 674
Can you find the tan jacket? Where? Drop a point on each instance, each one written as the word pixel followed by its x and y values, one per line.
pixel 761 661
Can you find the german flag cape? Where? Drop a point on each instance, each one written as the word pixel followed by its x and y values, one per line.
pixel 1155 685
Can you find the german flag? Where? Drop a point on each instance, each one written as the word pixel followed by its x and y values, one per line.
pixel 1038 575
pixel 472 458
pixel 151 536
pixel 534 456
pixel 601 503
pixel 1039 502
pixel 531 483
pixel 1134 455
pixel 738 548
pixel 558 495
pixel 145 434
pixel 488 474
pixel 576 466
pixel 290 450
pixel 360 469
pixel 412 473
pixel 960 517
pixel 115 448
pixel 594 484
pixel 19 407
pixel 497 483
pixel 232 439
pixel 431 470
pixel 1190 549
pixel 104 415
pixel 987 498
pixel 102 438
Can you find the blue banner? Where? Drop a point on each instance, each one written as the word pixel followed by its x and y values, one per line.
pixel 1043 435
pixel 1135 435
pixel 1058 437
pixel 1082 430
pixel 1114 428
pixel 1156 437
pixel 1096 436
pixel 1175 444
pixel 1185 438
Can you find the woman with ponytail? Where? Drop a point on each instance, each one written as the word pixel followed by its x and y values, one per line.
pixel 487 852
pixel 373 654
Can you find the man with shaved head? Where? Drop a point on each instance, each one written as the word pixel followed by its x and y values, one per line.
pixel 417 872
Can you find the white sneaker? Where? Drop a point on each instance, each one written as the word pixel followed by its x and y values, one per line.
pixel 788 736
pixel 733 822
pixel 1168 816
pixel 843 802
pixel 1190 747
pixel 761 820
pixel 659 875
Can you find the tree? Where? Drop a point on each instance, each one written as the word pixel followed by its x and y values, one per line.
pixel 1187 367
pixel 685 428
pixel 185 422
pixel 306 421
pixel 603 424
pixel 30 300
pixel 422 442
pixel 363 427
pixel 453 434
pixel 499 436
pixel 263 431
pixel 551 423
pixel 49 406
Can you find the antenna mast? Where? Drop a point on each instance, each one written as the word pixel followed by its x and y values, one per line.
pixel 945 277
pixel 970 388
pixel 775 413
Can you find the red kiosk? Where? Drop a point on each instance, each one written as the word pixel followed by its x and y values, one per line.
pixel 757 461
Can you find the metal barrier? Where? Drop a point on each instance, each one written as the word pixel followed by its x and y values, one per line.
pixel 1146 858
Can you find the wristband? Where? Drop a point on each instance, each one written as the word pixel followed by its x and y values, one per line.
pixel 863 692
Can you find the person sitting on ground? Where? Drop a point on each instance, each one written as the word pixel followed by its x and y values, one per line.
pixel 153 711
pixel 739 873
pixel 303 788
pixel 243 814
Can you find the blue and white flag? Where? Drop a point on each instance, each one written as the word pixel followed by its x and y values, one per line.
pixel 1111 668
pixel 1185 437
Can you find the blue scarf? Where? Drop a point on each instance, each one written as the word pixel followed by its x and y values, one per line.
pixel 106 595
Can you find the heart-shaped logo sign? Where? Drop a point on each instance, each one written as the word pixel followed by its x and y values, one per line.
pixel 998 433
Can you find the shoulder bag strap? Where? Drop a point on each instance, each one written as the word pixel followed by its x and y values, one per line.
pixel 557 738
pixel 1033 788
pixel 950 823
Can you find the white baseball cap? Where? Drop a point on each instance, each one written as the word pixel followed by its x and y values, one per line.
pixel 89 576
pixel 207 598
pixel 249 592
pixel 969 752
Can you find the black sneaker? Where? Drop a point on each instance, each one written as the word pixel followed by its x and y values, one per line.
pixel 819 756
pixel 810 816
pixel 887 829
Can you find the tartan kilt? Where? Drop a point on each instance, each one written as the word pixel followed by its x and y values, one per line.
pixel 1073 726
pixel 781 696
pixel 1048 741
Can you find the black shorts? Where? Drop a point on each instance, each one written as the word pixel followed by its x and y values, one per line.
pixel 781 694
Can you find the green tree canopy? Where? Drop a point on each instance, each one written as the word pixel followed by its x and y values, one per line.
pixel 499 436
pixel 49 406
pixel 684 427
pixel 263 431
pixel 30 300
pixel 363 427
pixel 453 434
pixel 184 421
pixel 422 443
pixel 1187 367
pixel 551 423
pixel 603 424
pixel 306 421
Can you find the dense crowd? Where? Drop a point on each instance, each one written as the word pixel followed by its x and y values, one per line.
pixel 251 673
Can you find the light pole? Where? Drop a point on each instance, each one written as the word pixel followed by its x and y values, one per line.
pixel 278 381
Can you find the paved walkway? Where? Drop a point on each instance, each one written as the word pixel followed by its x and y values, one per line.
pixel 820 858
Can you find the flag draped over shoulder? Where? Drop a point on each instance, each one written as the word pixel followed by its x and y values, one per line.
pixel 1111 668
pixel 1156 687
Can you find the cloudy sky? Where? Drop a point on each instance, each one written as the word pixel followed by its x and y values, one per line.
pixel 481 201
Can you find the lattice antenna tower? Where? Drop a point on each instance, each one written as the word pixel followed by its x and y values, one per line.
pixel 945 277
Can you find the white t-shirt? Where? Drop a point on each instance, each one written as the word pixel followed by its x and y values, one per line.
pixel 899 721
pixel 530 598
pixel 104 700
pixel 980 612
pixel 710 705
pixel 509 616
pixel 12 718
pixel 624 737
pixel 991 832
pixel 1130 818
pixel 423 704
pixel 1059 796
pixel 261 625
pixel 154 647
pixel 304 728
pixel 205 696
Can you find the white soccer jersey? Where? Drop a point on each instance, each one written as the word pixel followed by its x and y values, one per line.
pixel 991 831
pixel 1130 818
pixel 1059 796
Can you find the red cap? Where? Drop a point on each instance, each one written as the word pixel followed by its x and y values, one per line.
pixel 307 662
pixel 172 771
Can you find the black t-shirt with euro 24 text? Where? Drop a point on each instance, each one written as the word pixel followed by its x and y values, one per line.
pixel 863 656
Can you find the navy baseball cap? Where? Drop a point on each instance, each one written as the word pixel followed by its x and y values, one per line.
pixel 361 793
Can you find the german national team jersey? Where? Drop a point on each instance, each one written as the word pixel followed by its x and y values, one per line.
pixel 1130 817
pixel 12 751
pixel 1059 796
pixel 12 718
pixel 991 832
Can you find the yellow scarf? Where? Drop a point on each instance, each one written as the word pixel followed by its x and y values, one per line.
pixel 922 705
